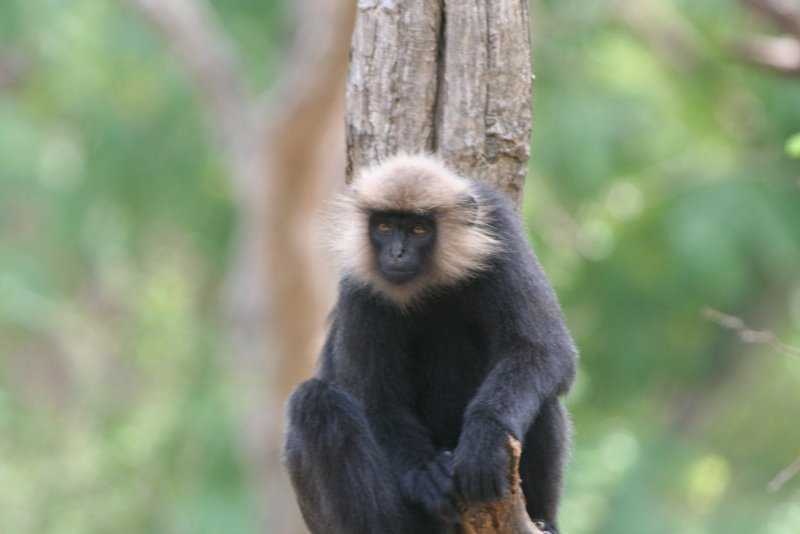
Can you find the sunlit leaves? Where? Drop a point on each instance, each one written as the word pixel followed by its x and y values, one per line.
pixel 793 146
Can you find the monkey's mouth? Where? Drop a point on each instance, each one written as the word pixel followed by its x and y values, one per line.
pixel 399 276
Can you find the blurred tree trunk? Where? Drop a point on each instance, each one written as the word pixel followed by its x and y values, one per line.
pixel 454 78
pixel 780 54
pixel 301 160
pixel 283 158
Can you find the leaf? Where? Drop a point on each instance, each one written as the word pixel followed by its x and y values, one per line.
pixel 793 146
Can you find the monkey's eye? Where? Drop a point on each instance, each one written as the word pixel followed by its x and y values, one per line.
pixel 419 229
pixel 384 228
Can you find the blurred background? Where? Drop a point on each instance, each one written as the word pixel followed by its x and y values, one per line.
pixel 663 185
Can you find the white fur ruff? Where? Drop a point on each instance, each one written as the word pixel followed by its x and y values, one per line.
pixel 413 184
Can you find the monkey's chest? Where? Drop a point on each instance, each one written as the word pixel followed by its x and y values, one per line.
pixel 448 366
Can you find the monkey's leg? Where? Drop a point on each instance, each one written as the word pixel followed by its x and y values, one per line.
pixel 340 474
pixel 544 454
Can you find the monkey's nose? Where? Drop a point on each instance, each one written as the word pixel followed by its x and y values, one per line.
pixel 397 252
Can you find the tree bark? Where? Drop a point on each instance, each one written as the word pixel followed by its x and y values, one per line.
pixel 454 78
pixel 448 76
pixel 508 516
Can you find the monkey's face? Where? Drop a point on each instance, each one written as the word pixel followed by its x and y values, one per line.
pixel 402 243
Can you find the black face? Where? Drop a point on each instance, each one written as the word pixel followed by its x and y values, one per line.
pixel 403 243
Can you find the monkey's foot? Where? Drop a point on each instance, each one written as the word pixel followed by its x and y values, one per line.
pixel 545 527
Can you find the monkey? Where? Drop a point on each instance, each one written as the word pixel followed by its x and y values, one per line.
pixel 446 338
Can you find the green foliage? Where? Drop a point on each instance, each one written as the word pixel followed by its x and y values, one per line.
pixel 793 146
pixel 660 186
pixel 659 189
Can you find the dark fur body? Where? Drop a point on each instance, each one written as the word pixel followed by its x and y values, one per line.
pixel 458 370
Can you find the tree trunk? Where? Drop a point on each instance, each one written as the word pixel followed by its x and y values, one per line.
pixel 454 78
pixel 282 160
pixel 508 516
pixel 448 76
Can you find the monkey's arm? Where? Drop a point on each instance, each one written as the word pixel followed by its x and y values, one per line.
pixel 407 442
pixel 525 375
pixel 533 359
pixel 425 476
pixel 372 356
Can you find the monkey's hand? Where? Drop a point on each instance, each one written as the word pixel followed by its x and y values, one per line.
pixel 432 488
pixel 482 461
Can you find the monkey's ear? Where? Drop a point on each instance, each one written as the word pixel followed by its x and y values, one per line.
pixel 468 207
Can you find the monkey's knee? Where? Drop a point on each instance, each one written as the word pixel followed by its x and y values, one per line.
pixel 311 396
pixel 324 415
pixel 339 472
